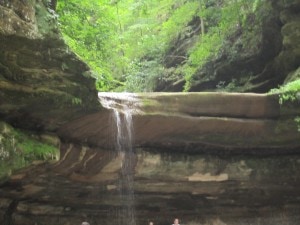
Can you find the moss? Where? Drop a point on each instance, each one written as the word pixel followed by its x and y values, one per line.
pixel 19 148
pixel 46 20
pixel 289 99
pixel 149 105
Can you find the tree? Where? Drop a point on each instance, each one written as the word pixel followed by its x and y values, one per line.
pixel 86 26
pixel 119 39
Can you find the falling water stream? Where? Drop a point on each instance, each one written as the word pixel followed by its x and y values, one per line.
pixel 249 193
pixel 122 106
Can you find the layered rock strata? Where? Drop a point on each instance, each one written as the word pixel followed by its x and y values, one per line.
pixel 197 122
pixel 43 84
pixel 199 189
pixel 180 165
pixel 44 88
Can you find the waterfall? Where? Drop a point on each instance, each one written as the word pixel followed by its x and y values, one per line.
pixel 122 106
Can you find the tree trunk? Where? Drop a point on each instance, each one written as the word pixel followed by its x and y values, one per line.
pixel 53 4
pixel 202 26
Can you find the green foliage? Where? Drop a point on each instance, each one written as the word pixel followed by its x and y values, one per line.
pixel 229 87
pixel 289 92
pixel 112 36
pixel 207 47
pixel 147 37
pixel 171 28
pixel 34 150
pixel 221 20
pixel 76 101
pixel 256 4
pixel 18 149
pixel 143 76
pixel 86 27
pixel 120 39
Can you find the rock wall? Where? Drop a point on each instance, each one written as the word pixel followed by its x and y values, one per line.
pixel 43 84
pixel 256 58
pixel 249 175
pixel 196 122
pixel 199 189
pixel 44 87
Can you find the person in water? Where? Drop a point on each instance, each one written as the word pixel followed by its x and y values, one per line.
pixel 85 223
pixel 151 223
pixel 176 221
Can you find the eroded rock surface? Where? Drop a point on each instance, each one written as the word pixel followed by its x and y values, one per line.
pixel 181 165
pixel 196 122
pixel 174 172
pixel 43 84
pixel 259 57
pixel 199 189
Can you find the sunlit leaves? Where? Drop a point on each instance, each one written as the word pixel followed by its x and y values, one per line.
pixel 120 39
pixel 289 92
pixel 86 27
pixel 222 19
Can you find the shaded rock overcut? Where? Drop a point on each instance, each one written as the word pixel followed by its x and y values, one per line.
pixel 197 122
pixel 43 84
pixel 183 142
pixel 84 186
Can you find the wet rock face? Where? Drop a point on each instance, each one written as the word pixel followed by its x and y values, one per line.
pixel 182 165
pixel 42 83
pixel 43 87
pixel 197 122
pixel 199 189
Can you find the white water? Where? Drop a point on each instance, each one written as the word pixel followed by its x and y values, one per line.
pixel 122 106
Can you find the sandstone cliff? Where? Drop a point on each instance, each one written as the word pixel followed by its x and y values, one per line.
pixel 45 87
pixel 43 84
pixel 257 58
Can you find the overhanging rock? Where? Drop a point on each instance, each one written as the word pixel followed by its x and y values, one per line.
pixel 194 122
